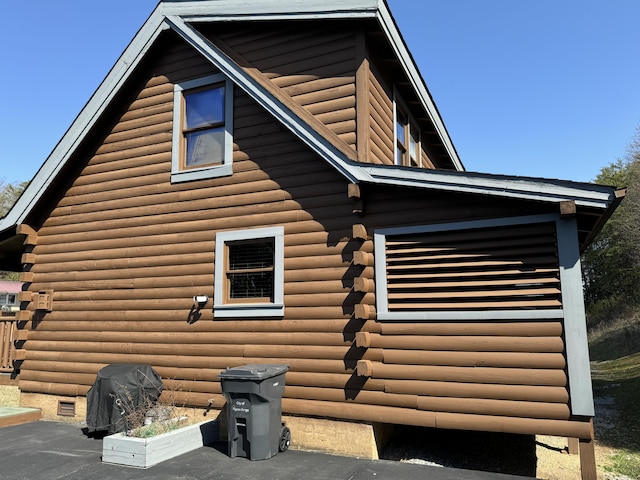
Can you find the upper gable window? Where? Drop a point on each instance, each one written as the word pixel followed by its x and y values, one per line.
pixel 407 137
pixel 202 129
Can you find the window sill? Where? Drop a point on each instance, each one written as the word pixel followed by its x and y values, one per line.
pixel 202 173
pixel 248 310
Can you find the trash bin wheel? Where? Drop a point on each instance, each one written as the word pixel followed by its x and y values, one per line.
pixel 285 438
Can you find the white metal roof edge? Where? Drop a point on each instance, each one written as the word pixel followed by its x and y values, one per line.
pixel 527 188
pixel 215 10
pixel 85 120
pixel 406 60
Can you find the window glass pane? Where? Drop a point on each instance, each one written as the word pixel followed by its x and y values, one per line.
pixel 244 256
pixel 204 108
pixel 400 132
pixel 251 285
pixel 258 256
pixel 413 147
pixel 205 147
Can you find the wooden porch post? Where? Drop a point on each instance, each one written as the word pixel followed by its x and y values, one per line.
pixel 588 457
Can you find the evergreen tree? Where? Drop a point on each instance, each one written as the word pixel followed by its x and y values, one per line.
pixel 611 265
pixel 9 194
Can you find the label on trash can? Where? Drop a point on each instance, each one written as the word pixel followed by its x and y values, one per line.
pixel 241 405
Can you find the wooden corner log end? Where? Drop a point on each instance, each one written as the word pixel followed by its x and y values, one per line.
pixel 359 232
pixel 24 229
pixel 28 258
pixel 25 296
pixel 24 316
pixel 567 208
pixel 363 339
pixel 362 259
pixel 364 368
pixel 18 355
pixel 364 312
pixel 26 277
pixel 362 285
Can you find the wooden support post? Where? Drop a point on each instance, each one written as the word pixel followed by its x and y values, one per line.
pixel 588 456
pixel 587 460
pixel 573 446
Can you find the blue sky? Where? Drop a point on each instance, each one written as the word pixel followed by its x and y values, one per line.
pixel 544 88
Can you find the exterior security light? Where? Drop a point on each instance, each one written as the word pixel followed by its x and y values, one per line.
pixel 201 299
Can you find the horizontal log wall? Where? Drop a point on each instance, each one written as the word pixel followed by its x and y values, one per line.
pixel 315 66
pixel 124 251
pixel 381 121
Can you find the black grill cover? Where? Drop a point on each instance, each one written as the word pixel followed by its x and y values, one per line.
pixel 118 390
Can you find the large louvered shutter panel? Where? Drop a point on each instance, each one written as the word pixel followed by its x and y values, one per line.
pixel 507 267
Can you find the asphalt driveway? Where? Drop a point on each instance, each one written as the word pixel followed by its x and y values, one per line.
pixel 50 450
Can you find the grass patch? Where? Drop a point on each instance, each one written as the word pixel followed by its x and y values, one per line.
pixel 625 463
pixel 615 340
pixel 620 379
pixel 615 371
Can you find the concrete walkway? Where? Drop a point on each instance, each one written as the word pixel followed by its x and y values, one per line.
pixel 44 450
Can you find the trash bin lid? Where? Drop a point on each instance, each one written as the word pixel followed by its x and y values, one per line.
pixel 254 371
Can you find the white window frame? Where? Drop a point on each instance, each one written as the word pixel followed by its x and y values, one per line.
pixel 241 310
pixel 179 174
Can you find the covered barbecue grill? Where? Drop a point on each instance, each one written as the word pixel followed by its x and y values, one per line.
pixel 119 390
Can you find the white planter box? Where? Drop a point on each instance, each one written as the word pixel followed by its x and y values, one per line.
pixel 146 452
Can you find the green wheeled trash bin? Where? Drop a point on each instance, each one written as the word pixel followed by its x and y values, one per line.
pixel 254 404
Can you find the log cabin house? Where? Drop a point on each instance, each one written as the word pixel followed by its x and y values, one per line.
pixel 286 161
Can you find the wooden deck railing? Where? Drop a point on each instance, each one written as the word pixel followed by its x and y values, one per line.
pixel 7 332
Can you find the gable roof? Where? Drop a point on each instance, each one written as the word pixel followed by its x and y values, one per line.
pixel 177 16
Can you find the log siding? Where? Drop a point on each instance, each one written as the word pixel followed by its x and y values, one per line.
pixel 315 67
pixel 124 251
